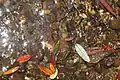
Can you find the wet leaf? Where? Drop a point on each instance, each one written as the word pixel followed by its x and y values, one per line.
pixel 82 53
pixel 24 58
pixel 52 68
pixel 54 75
pixel 12 70
pixel 45 70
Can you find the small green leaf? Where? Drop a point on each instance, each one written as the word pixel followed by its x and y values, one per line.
pixel 82 53
pixel 56 48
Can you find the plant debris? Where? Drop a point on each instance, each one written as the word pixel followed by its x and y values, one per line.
pixel 82 53
pixel 68 39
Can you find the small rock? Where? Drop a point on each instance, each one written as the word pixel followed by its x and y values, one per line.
pixel 115 24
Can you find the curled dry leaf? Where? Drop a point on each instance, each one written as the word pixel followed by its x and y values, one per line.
pixel 12 70
pixel 45 70
pixel 24 58
pixel 82 53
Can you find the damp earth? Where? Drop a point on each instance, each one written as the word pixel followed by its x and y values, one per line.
pixel 47 31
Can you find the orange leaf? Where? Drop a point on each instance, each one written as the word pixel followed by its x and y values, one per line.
pixel 45 70
pixel 52 68
pixel 12 70
pixel 24 58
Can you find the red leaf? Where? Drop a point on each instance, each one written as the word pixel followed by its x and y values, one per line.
pixel 107 6
pixel 52 59
pixel 12 70
pixel 118 76
pixel 108 48
pixel 45 70
pixel 24 58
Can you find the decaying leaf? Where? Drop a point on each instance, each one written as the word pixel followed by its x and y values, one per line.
pixel 45 70
pixel 24 58
pixel 12 70
pixel 54 75
pixel 82 53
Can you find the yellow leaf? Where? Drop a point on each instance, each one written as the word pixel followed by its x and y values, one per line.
pixel 54 75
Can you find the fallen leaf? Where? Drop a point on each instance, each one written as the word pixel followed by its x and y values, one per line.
pixel 45 70
pixel 12 70
pixel 82 53
pixel 56 48
pixel 52 59
pixel 24 58
pixel 54 75
pixel 52 68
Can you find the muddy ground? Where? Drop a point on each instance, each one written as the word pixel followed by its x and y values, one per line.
pixel 26 24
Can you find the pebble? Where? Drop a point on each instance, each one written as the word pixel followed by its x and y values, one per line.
pixel 115 24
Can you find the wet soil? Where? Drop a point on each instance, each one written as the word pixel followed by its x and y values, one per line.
pixel 26 24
